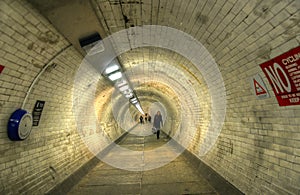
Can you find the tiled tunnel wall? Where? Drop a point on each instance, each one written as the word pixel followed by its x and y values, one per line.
pixel 54 150
pixel 258 148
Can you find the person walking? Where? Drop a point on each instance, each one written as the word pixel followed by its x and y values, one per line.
pixel 141 119
pixel 157 123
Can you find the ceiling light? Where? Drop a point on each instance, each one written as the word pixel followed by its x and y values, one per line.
pixel 115 76
pixel 138 106
pixel 111 69
pixel 123 88
pixel 129 95
pixel 134 101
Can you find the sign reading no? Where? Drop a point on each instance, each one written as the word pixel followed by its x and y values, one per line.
pixel 283 74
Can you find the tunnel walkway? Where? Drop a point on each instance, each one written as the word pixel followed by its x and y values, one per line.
pixel 176 177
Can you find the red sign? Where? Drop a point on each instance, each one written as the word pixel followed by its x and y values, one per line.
pixel 1 68
pixel 283 73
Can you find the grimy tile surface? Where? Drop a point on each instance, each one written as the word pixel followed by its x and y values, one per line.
pixel 175 177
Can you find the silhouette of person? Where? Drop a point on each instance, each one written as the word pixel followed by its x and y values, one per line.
pixel 141 119
pixel 157 123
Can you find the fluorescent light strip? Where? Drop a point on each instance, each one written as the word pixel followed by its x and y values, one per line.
pixel 111 69
pixel 123 88
pixel 134 101
pixel 138 106
pixel 115 76
pixel 129 95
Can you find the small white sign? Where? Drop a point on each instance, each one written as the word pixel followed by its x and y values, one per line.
pixel 259 87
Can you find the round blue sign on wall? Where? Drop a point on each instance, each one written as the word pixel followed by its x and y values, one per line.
pixel 19 125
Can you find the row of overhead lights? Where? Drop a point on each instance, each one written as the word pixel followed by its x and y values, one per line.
pixel 94 47
pixel 113 73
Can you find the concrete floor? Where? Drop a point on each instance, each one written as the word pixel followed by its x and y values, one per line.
pixel 176 177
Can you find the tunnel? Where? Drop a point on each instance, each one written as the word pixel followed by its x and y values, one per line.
pixel 224 74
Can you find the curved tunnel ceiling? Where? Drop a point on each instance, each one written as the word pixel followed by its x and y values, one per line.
pixel 239 35
pixel 165 79
pixel 163 56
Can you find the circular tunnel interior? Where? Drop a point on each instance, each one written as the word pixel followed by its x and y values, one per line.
pixel 163 83
pixel 222 73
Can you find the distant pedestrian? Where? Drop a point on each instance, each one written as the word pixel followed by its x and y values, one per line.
pixel 146 118
pixel 156 123
pixel 141 119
